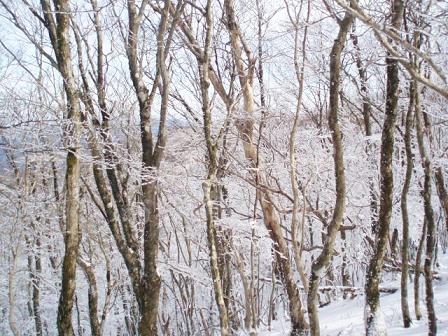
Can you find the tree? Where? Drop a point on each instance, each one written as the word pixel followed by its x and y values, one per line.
pixel 429 215
pixel 404 209
pixel 222 148
pixel 270 216
pixel 210 185
pixel 372 308
pixel 58 30
pixel 387 35
pixel 324 257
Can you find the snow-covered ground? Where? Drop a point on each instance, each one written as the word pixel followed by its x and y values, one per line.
pixel 345 317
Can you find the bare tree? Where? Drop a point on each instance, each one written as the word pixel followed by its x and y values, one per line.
pixel 246 130
pixel 429 215
pixel 210 186
pixel 388 35
pixel 323 260
pixel 58 29
pixel 232 97
pixel 299 69
pixel 372 308
pixel 404 208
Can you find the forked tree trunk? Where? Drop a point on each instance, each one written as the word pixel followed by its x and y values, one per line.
pixel 152 153
pixel 324 257
pixel 373 324
pixel 110 186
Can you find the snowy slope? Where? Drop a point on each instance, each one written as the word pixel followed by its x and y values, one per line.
pixel 345 317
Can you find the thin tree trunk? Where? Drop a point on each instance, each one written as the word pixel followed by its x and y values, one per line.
pixel 442 193
pixel 35 281
pixel 300 76
pixel 418 262
pixel 214 264
pixel 324 257
pixel 429 215
pixel 366 111
pixel 248 297
pixel 272 312
pixel 373 321
pixel 404 209
pixel 210 185
pixel 344 274
pixel 11 292
pixel 95 326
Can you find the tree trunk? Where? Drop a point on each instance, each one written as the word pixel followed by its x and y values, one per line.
pixel 214 265
pixel 59 35
pixel 442 193
pixel 324 257
pixel 418 262
pixel 210 185
pixel 366 111
pixel 35 279
pixel 298 323
pixel 300 75
pixel 372 308
pixel 95 327
pixel 152 154
pixel 11 293
pixel 404 209
pixel 150 287
pixel 429 215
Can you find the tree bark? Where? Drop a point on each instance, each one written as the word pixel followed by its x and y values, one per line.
pixel 429 215
pixel 418 262
pixel 372 307
pixel 95 326
pixel 152 153
pixel 58 31
pixel 210 185
pixel 442 192
pixel 366 111
pixel 404 209
pixel 324 257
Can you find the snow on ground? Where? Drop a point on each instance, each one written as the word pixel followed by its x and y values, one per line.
pixel 346 317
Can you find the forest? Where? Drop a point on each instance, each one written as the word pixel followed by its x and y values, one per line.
pixel 223 167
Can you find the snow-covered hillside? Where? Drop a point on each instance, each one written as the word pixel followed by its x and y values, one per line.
pixel 346 317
